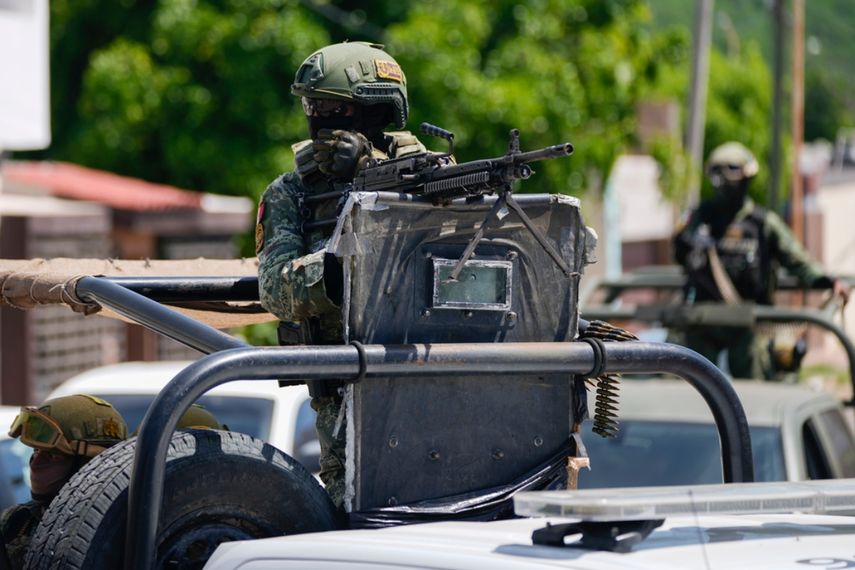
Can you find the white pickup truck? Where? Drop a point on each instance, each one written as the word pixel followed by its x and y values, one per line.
pixel 754 525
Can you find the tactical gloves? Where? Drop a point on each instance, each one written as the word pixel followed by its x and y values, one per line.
pixel 341 154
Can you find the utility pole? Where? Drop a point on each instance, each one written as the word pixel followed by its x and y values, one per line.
pixel 694 142
pixel 777 103
pixel 797 195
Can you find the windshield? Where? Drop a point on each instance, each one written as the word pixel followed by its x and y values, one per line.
pixel 672 453
pixel 15 470
pixel 251 416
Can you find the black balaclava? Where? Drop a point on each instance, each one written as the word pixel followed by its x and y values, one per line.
pixel 731 196
pixel 48 477
pixel 370 120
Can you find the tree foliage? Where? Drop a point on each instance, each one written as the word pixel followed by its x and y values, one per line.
pixel 201 100
pixel 829 66
pixel 197 93
pixel 739 108
pixel 557 70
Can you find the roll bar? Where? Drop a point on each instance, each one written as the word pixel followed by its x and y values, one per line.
pixel 729 315
pixel 232 360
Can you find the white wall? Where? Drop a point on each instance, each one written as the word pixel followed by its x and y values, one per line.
pixel 24 75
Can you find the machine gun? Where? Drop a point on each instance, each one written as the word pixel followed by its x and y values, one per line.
pixel 436 176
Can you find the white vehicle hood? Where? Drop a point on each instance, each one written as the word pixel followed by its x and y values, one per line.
pixel 686 542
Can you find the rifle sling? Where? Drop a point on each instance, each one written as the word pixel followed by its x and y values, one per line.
pixel 722 280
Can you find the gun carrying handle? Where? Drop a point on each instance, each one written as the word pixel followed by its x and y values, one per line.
pixel 435 131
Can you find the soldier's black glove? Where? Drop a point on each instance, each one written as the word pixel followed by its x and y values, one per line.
pixel 340 154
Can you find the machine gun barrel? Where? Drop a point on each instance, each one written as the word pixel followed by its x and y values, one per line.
pixel 554 151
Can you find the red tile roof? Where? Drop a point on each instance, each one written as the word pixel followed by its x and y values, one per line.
pixel 67 180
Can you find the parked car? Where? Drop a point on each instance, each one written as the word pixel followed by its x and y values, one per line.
pixel 667 436
pixel 14 462
pixel 735 526
pixel 281 416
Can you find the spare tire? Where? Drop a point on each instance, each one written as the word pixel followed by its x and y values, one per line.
pixel 219 486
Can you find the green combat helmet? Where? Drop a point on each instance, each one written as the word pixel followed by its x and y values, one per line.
pixel 731 162
pixel 75 425
pixel 358 72
pixel 197 417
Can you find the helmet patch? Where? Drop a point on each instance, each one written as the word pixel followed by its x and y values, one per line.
pixel 389 70
pixel 111 429
pixel 97 400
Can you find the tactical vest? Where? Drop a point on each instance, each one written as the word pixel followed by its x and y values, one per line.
pixel 320 202
pixel 743 250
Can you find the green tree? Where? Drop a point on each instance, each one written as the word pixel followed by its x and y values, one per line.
pixel 739 108
pixel 197 93
pixel 824 91
pixel 203 102
pixel 557 70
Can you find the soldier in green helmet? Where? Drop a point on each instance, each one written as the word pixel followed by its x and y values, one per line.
pixel 197 416
pixel 65 434
pixel 350 92
pixel 730 250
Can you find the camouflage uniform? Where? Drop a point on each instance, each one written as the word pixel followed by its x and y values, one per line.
pixel 291 277
pixel 751 246
pixel 350 93
pixel 18 523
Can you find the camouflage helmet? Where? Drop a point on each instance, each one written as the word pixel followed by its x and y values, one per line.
pixel 76 425
pixel 359 72
pixel 731 162
pixel 197 417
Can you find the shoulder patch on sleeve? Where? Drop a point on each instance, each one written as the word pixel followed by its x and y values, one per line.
pixel 259 228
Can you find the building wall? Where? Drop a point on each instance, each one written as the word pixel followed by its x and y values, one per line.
pixel 42 347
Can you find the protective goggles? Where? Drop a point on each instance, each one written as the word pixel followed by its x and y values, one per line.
pixel 327 108
pixel 726 172
pixel 42 432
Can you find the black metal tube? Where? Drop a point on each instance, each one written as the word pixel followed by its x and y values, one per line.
pixel 319 224
pixel 483 203
pixel 403 361
pixel 554 151
pixel 709 381
pixel 154 316
pixel 314 198
pixel 761 313
pixel 178 289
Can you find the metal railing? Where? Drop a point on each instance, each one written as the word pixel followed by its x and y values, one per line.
pixel 233 360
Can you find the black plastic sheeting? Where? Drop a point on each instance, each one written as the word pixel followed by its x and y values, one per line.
pixel 427 437
pixel 490 504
